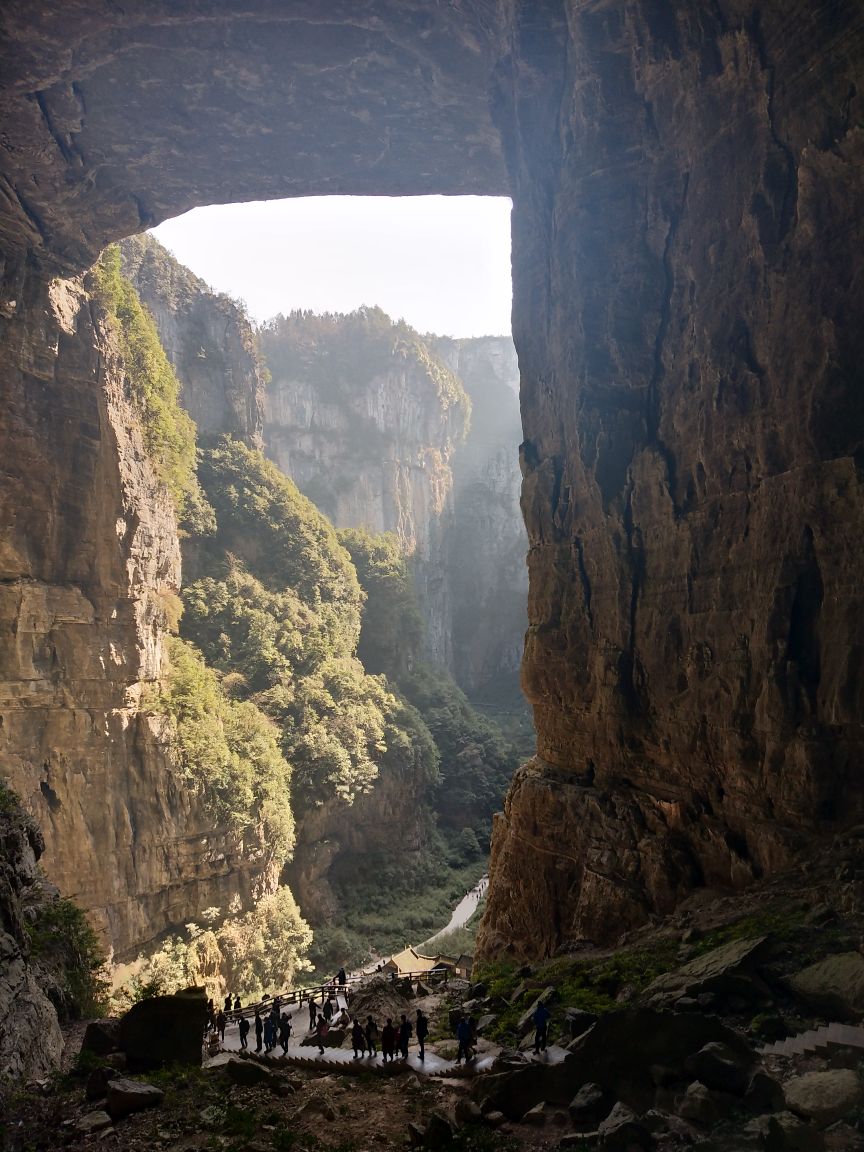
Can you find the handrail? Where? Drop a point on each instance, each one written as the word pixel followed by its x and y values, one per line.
pixel 296 996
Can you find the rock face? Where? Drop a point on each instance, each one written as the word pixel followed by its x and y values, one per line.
pixel 692 455
pixel 89 553
pixel 365 420
pixel 361 415
pixel 485 541
pixel 207 338
pixel 30 1039
pixel 687 273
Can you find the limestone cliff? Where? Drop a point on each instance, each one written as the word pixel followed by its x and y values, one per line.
pixel 485 542
pixel 30 1039
pixel 89 554
pixel 692 457
pixel 207 338
pixel 366 421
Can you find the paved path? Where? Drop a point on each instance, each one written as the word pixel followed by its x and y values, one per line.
pixel 343 1058
pixel 462 913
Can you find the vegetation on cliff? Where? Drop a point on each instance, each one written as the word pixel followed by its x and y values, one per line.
pixel 169 433
pixel 332 351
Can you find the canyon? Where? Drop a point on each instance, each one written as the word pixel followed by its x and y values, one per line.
pixel 687 290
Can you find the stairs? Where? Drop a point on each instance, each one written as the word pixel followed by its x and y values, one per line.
pixel 836 1035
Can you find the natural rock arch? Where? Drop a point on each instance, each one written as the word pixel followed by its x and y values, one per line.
pixel 688 284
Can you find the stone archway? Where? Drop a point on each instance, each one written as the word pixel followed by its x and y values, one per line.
pixel 687 307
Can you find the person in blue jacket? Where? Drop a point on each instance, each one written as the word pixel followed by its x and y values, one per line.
pixel 541 1024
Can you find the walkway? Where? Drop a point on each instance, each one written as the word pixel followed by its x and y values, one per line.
pixel 463 911
pixel 343 1060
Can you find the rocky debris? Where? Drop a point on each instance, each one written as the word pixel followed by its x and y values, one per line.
pixel 379 999
pixel 538 1115
pixel 164 1030
pixel 823 1096
pixel 494 1118
pixel 335 1038
pixel 101 1036
pixel 702 1106
pixel 466 1111
pixel 719 1067
pixel 621 1131
pixel 247 1073
pixel 96 1085
pixel 589 1106
pixel 579 1021
pixel 92 1122
pixel 764 1094
pixel 439 1132
pixel 320 1106
pixel 128 1096
pixel 783 1132
pixel 834 986
pixel 730 970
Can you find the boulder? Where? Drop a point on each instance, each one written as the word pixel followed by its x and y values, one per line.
pixel 700 1106
pixel 764 1094
pixel 92 1122
pixel 416 1134
pixel 128 1096
pixel 485 1021
pixel 318 1106
pixel 538 1115
pixel 823 1096
pixel 164 1030
pixel 439 1132
pixel 620 1053
pixel 334 1039
pixel 719 1067
pixel 784 1132
pixel 494 1119
pixel 96 1087
pixel 622 1132
pixel 467 1112
pixel 589 1106
pixel 730 970
pixel 579 1021
pixel 102 1036
pixel 422 990
pixel 247 1073
pixel 835 986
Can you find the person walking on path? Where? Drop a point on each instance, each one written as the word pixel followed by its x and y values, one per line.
pixel 269 1038
pixel 371 1036
pixel 227 1007
pixel 244 1032
pixel 463 1035
pixel 327 1010
pixel 259 1029
pixel 237 1004
pixel 358 1040
pixel 220 1025
pixel 313 1013
pixel 541 1024
pixel 422 1032
pixel 321 1030
pixel 341 978
pixel 388 1040
pixel 284 1031
pixel 405 1030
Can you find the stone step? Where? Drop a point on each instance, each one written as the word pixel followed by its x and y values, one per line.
pixel 834 1034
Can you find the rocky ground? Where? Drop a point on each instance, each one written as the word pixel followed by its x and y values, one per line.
pixel 666 1042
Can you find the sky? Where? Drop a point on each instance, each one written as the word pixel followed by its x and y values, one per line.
pixel 440 262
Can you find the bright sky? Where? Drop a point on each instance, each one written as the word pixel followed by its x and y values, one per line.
pixel 440 262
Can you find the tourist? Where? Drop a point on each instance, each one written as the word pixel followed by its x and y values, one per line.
pixel 343 1019
pixel 321 1030
pixel 422 1032
pixel 341 977
pixel 405 1030
pixel 541 1023
pixel 259 1028
pixel 237 1004
pixel 284 1031
pixel 328 1009
pixel 244 1032
pixel 227 1007
pixel 269 1037
pixel 371 1036
pixel 313 1012
pixel 463 1035
pixel 388 1040
pixel 220 1025
pixel 358 1040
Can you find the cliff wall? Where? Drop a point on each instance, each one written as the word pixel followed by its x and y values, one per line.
pixel 207 338
pixel 687 261
pixel 89 553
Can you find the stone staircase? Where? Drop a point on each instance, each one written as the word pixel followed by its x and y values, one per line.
pixel 836 1035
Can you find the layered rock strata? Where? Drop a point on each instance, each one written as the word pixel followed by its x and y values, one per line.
pixel 207 338
pixel 688 267
pixel 90 553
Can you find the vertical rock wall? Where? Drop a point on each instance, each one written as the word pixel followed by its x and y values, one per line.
pixel 688 273
pixel 89 550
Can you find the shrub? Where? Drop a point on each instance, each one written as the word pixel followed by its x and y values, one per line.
pixel 64 943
